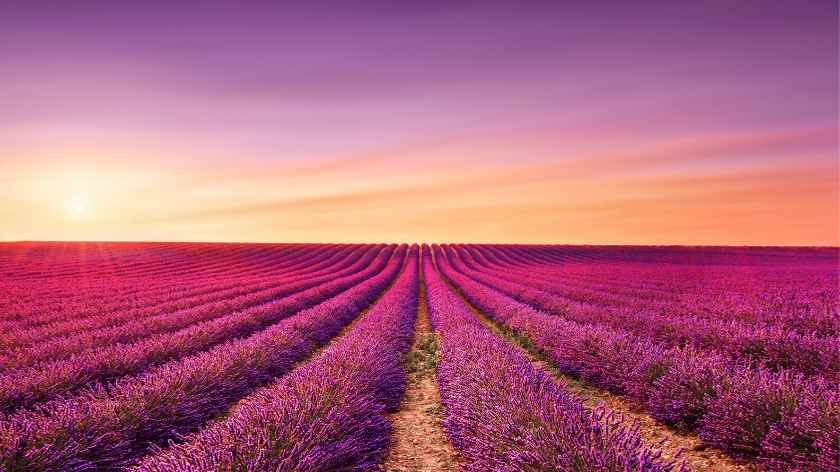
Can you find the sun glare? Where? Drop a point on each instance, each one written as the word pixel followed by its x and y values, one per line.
pixel 77 207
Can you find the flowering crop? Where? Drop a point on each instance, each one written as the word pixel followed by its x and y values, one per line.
pixel 103 293
pixel 133 329
pixel 28 386
pixel 733 405
pixel 774 347
pixel 110 427
pixel 504 414
pixel 328 414
pixel 272 357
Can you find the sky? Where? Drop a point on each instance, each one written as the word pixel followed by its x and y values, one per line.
pixel 651 122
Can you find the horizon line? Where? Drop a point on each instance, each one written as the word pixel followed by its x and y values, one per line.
pixel 668 245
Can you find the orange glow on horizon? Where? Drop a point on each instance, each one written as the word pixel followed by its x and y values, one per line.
pixel 636 195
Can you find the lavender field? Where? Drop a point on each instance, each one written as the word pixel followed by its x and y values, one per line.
pixel 308 357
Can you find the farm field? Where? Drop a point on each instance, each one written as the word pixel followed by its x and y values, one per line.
pixel 321 357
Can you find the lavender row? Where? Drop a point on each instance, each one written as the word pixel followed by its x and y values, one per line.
pixel 27 386
pixel 109 428
pixel 783 420
pixel 141 260
pixel 788 292
pixel 803 299
pixel 535 264
pixel 129 331
pixel 89 302
pixel 22 337
pixel 328 414
pixel 614 286
pixel 46 261
pixel 48 304
pixel 772 347
pixel 503 414
pixel 99 287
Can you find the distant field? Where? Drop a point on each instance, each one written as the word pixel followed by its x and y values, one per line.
pixel 320 357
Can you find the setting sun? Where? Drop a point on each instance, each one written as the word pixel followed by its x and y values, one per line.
pixel 77 207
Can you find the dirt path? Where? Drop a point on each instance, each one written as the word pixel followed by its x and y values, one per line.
pixel 419 442
pixel 687 446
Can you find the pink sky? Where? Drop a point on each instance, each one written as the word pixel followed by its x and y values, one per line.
pixel 615 122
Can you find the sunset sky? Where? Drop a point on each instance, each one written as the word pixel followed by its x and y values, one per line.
pixel 696 122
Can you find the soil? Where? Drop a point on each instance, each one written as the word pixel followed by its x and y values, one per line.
pixel 419 442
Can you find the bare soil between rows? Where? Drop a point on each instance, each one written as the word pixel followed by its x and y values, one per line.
pixel 419 442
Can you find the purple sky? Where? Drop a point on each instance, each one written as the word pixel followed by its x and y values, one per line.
pixel 216 89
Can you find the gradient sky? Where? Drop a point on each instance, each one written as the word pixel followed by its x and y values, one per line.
pixel 702 122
